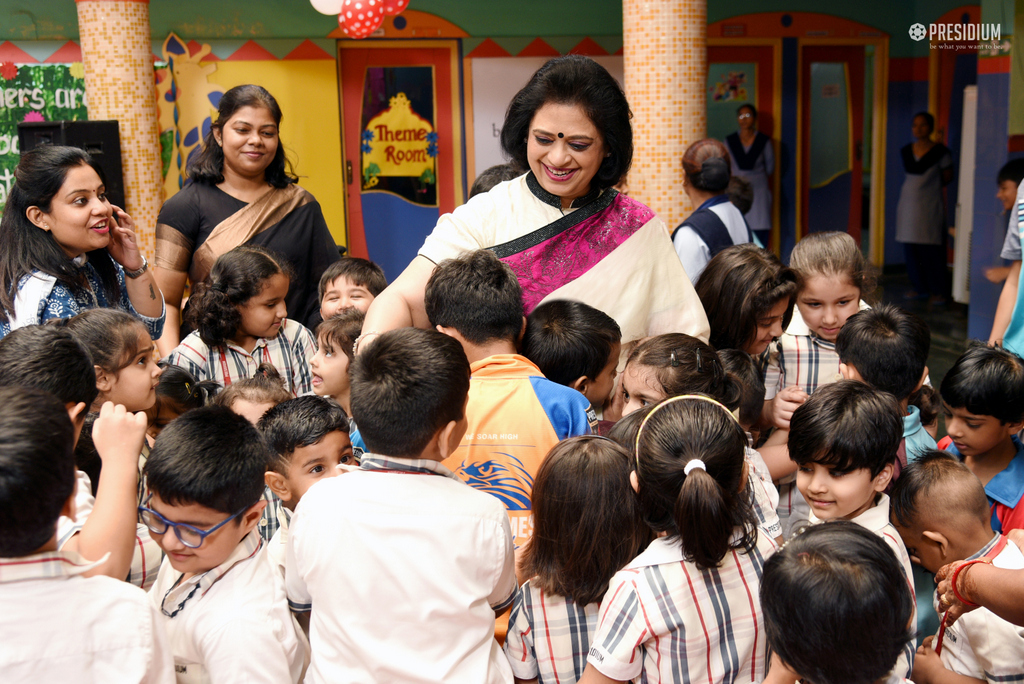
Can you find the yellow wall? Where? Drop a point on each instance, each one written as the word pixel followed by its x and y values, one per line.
pixel 307 91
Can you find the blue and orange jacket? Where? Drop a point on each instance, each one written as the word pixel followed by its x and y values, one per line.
pixel 515 416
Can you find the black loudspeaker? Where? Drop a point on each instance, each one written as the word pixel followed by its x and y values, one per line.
pixel 101 139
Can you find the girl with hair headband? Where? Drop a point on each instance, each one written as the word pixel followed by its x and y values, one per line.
pixel 690 478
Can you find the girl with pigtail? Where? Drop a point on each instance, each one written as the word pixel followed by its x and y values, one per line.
pixel 241 321
pixel 673 364
pixel 687 608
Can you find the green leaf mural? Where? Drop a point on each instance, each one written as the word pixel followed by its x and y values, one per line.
pixel 37 92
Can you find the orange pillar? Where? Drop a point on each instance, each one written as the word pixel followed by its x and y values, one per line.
pixel 665 60
pixel 119 83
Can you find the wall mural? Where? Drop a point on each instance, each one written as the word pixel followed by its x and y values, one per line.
pixel 35 92
pixel 187 103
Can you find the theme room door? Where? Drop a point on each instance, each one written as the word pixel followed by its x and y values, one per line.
pixel 402 144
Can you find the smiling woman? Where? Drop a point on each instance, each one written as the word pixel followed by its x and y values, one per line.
pixel 562 228
pixel 65 249
pixel 242 191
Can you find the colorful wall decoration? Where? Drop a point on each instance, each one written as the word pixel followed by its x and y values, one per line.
pixel 187 104
pixel 35 92
pixel 729 86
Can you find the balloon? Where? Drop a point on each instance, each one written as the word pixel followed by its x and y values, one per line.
pixel 360 18
pixel 327 6
pixel 393 7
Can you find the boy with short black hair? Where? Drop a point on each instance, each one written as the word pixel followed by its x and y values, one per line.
pixel 58 626
pixel 308 439
pixel 844 439
pixel 404 563
pixel 983 396
pixel 49 358
pixel 979 645
pixel 887 347
pixel 350 283
pixel 836 607
pixel 515 414
pixel 223 603
pixel 1008 182
pixel 575 345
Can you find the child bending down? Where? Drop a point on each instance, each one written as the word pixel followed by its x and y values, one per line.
pixel 837 609
pixel 689 477
pixel 587 526
pixel 980 645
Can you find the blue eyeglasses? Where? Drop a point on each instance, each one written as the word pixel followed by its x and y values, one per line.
pixel 192 537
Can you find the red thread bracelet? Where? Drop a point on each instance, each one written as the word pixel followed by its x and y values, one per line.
pixel 956 576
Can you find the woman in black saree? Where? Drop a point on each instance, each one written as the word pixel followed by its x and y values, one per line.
pixel 241 191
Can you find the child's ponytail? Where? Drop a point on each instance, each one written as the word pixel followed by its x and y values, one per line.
pixel 182 388
pixel 236 277
pixel 211 313
pixel 701 517
pixel 691 477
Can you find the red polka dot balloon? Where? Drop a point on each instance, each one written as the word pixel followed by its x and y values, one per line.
pixel 360 18
pixel 393 7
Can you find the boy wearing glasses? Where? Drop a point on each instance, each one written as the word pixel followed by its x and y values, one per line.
pixel 222 602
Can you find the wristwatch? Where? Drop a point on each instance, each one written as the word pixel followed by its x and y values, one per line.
pixel 140 270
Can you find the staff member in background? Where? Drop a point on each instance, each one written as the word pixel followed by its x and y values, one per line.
pixel 753 158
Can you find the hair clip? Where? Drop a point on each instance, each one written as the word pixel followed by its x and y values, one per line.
pixel 700 362
pixel 673 360
pixel 187 388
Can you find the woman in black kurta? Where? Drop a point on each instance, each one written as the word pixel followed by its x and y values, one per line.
pixel 240 192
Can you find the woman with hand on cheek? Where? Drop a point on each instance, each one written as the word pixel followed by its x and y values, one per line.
pixel 65 249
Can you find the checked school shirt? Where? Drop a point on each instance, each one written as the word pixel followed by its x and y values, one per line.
pixel 549 636
pixel 664 618
pixel 289 352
